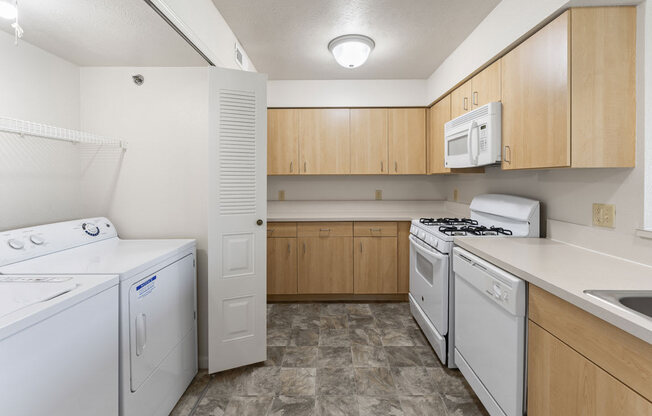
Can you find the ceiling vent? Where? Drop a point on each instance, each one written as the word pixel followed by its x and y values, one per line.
pixel 239 56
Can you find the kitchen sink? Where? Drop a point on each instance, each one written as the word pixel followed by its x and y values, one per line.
pixel 638 301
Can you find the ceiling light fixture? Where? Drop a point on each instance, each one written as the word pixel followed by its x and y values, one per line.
pixel 351 51
pixel 8 9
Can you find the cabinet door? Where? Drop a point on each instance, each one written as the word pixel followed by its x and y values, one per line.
pixel 438 115
pixel 486 86
pixel 375 265
pixel 281 266
pixel 369 141
pixel 536 99
pixel 325 265
pixel 407 141
pixel 461 99
pixel 324 141
pixel 282 142
pixel 563 382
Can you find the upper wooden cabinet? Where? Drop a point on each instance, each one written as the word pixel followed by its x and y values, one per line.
pixel 282 142
pixel 407 141
pixel 369 141
pixel 324 141
pixel 568 92
pixel 483 88
pixel 438 115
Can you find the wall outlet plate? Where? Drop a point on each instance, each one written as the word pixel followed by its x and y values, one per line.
pixel 281 195
pixel 604 215
pixel 455 195
pixel 379 194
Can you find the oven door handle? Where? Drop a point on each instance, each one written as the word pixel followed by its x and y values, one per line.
pixel 429 252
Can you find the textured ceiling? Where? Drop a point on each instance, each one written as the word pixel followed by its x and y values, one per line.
pixel 288 39
pixel 103 33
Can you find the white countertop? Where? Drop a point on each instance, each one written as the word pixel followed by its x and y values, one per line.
pixel 566 271
pixel 355 210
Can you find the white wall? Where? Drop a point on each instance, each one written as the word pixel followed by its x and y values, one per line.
pixel 159 188
pixel 346 93
pixel 39 178
pixel 355 188
pixel 204 25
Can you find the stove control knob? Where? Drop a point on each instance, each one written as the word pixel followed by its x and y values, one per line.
pixel 38 240
pixel 15 244
pixel 90 229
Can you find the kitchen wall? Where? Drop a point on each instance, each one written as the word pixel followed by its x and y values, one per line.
pixel 159 187
pixel 39 178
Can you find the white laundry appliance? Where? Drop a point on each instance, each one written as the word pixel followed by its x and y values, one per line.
pixel 432 282
pixel 59 345
pixel 157 300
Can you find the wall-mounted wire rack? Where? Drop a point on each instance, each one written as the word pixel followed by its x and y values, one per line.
pixel 29 128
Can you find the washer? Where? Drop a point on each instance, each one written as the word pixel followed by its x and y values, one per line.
pixel 59 345
pixel 157 300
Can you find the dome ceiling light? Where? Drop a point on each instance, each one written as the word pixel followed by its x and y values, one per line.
pixel 351 51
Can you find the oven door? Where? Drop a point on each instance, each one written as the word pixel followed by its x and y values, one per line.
pixel 429 282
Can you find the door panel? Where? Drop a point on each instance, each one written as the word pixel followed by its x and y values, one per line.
pixel 536 100
pixel 375 265
pixel 325 265
pixel 438 115
pixel 486 86
pixel 324 141
pixel 407 141
pixel 282 141
pixel 281 266
pixel 369 141
pixel 461 100
pixel 237 201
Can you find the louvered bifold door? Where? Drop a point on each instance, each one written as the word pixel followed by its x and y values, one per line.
pixel 237 218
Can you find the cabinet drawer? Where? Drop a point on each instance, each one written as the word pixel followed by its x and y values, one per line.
pixel 627 358
pixel 375 229
pixel 281 229
pixel 325 229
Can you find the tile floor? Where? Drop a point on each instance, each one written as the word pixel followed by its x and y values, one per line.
pixel 336 359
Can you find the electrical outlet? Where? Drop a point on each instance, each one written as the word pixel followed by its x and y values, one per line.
pixel 604 215
pixel 379 194
pixel 455 195
pixel 281 195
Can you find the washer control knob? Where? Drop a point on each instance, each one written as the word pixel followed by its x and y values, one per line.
pixel 36 239
pixel 15 244
pixel 90 229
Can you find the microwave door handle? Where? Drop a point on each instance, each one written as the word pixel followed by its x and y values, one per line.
pixel 469 135
pixel 477 144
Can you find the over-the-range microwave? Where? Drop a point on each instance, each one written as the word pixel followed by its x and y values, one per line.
pixel 474 139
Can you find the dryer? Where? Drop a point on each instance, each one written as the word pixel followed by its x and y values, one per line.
pixel 157 300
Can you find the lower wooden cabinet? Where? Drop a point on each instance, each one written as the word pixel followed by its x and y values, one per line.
pixel 563 382
pixel 331 258
pixel 325 265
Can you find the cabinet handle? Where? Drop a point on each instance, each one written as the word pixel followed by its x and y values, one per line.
pixel 325 229
pixel 395 166
pixel 304 248
pixel 291 166
pixel 510 155
pixel 475 98
pixel 289 251
pixel 466 103
pixel 374 229
pixel 304 167
pixel 360 246
pixel 381 165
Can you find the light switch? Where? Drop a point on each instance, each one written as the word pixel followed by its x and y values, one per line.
pixel 379 194
pixel 281 195
pixel 455 195
pixel 604 215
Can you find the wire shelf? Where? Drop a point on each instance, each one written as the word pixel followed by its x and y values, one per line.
pixel 29 128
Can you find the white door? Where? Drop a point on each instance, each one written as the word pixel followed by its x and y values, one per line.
pixel 237 215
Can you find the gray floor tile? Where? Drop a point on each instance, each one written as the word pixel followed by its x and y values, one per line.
pixel 263 381
pixel 300 357
pixel 376 406
pixel 365 336
pixel 358 309
pixel 212 406
pixel 417 337
pixel 451 381
pixel 335 381
pixel 361 321
pixel 194 391
pixel 228 383
pixel 403 357
pixel 304 337
pixel 334 338
pixel 334 357
pixel 306 321
pixel 248 406
pixel 293 406
pixel 463 405
pixel 278 337
pixel 334 309
pixel 369 356
pixel 374 382
pixel 428 357
pixel 310 309
pixel 396 337
pixel 432 405
pixel 414 381
pixel 298 381
pixel 334 322
pixel 274 356
pixel 337 406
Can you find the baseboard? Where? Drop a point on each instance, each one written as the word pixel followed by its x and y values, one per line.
pixel 398 297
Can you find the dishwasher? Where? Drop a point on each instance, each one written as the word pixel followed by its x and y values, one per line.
pixel 490 332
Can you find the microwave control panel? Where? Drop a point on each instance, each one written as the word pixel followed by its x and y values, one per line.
pixel 483 137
